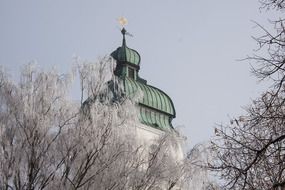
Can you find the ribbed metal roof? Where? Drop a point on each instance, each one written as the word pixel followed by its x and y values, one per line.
pixel 154 119
pixel 156 107
pixel 125 54
pixel 152 97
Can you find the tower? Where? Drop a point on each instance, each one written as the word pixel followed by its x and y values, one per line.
pixel 156 109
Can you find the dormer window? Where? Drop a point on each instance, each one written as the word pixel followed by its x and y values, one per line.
pixel 131 73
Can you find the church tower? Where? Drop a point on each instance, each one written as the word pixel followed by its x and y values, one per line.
pixel 156 109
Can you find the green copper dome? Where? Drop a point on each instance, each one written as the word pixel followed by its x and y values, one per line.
pixel 152 97
pixel 156 109
pixel 125 54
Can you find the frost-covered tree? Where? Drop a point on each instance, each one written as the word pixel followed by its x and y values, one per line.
pixel 250 150
pixel 33 114
pixel 48 141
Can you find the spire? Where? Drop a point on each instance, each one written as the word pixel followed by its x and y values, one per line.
pixel 123 31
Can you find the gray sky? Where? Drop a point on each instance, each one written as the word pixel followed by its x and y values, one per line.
pixel 189 48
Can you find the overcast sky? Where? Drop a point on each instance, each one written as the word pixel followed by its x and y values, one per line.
pixel 188 48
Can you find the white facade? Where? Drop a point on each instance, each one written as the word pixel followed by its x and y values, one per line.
pixel 148 135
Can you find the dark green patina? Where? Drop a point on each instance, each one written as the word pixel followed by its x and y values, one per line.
pixel 156 108
pixel 125 54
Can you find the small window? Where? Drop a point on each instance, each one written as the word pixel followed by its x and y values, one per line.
pixel 131 73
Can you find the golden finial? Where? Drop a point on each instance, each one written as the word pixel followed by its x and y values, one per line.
pixel 123 21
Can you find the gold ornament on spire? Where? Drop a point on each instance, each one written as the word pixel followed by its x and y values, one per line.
pixel 123 21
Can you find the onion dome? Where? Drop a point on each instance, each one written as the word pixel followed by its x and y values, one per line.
pixel 156 108
pixel 125 54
